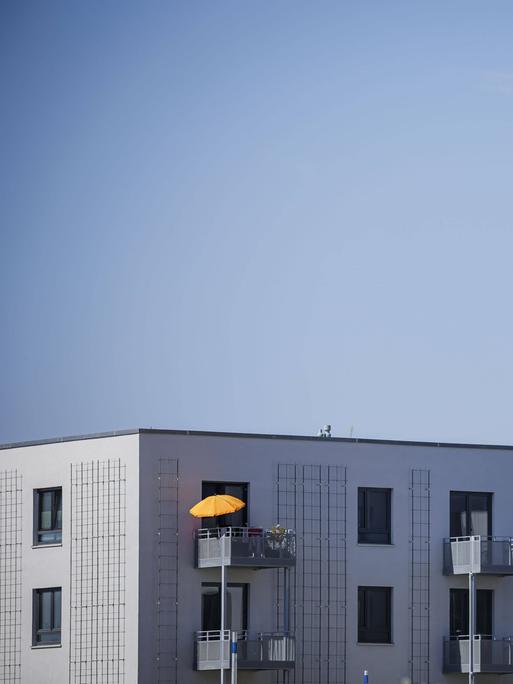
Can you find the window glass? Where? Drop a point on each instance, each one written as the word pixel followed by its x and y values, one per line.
pixel 236 606
pixel 47 616
pixel 57 609
pixel 470 514
pixel 211 607
pixel 48 504
pixel 479 513
pixel 459 612
pixel 374 515
pixel 374 615
pixel 45 512
pixel 58 509
pixel 237 489
pixel 458 515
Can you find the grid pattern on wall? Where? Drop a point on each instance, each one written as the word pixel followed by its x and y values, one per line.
pixel 311 499
pixel 10 576
pixel 167 569
pixel 98 561
pixel 420 533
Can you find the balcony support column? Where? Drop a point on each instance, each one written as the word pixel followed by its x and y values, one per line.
pixel 286 600
pixel 223 609
pixel 471 624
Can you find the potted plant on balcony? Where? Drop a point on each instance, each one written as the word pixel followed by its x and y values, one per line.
pixel 277 537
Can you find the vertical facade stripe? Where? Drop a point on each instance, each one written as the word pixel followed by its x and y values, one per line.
pixel 98 562
pixel 420 541
pixel 311 499
pixel 167 569
pixel 10 576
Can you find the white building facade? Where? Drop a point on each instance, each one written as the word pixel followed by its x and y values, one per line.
pixel 350 555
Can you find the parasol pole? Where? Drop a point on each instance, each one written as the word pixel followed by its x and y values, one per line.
pixel 223 607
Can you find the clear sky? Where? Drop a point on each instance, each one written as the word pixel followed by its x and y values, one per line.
pixel 257 216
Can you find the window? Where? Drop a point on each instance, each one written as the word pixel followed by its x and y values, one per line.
pixel 48 516
pixel 47 616
pixel 238 489
pixel 374 515
pixel 458 618
pixel 470 514
pixel 236 615
pixel 375 615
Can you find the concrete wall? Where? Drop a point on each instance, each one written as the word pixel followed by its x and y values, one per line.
pixel 254 460
pixel 49 465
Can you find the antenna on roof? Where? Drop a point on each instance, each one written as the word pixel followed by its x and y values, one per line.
pixel 324 432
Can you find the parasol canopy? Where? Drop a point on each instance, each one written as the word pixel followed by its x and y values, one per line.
pixel 218 504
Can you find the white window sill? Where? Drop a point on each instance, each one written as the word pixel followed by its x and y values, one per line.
pixel 380 546
pixel 46 546
pixel 40 646
pixel 372 643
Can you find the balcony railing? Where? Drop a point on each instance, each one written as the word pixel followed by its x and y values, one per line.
pixel 245 546
pixel 486 555
pixel 264 651
pixel 491 654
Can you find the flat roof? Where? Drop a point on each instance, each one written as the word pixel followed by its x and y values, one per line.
pixel 251 435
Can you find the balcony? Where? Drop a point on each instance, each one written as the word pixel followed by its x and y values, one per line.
pixel 485 555
pixel 265 651
pixel 250 547
pixel 491 654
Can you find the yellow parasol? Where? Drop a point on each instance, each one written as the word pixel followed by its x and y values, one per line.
pixel 218 504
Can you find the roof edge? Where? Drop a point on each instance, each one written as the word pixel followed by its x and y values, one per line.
pixel 70 438
pixel 255 435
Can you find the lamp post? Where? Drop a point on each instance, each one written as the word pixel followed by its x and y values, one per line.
pixel 233 654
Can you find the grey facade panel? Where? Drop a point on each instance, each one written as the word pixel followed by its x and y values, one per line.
pixel 158 566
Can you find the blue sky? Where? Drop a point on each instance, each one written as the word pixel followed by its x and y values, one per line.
pixel 258 216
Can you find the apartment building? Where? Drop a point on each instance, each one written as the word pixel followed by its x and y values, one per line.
pixel 350 555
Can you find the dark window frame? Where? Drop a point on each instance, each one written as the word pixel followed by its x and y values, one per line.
pixel 37 630
pixel 467 494
pixel 367 534
pixel 366 635
pixel 224 520
pixel 38 531
pixel 245 600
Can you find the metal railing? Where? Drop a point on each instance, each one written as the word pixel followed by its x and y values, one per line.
pixel 213 649
pixel 478 554
pixel 265 650
pixel 491 653
pixel 218 635
pixel 245 546
pixel 268 647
